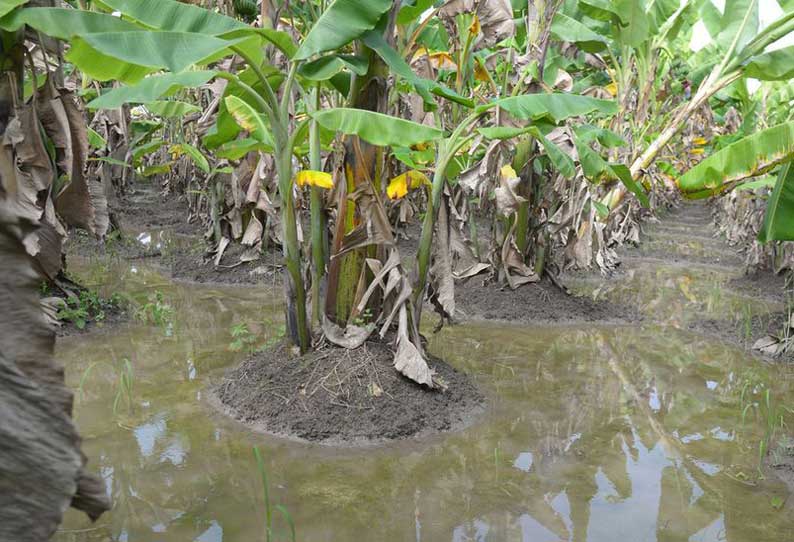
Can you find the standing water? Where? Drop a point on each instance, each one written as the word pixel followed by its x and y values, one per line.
pixel 632 433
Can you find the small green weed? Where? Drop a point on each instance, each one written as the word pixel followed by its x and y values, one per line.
pixel 243 339
pixel 125 377
pixel 156 311
pixel 260 465
pixel 85 307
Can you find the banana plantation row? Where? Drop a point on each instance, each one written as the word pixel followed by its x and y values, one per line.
pixel 526 138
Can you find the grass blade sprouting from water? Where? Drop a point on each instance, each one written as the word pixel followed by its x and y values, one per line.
pixel 260 465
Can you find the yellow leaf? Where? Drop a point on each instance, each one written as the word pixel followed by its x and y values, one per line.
pixel 398 186
pixel 699 141
pixel 474 28
pixel 612 88
pixel 696 151
pixel 420 52
pixel 508 172
pixel 319 179
pixel 442 60
pixel 480 73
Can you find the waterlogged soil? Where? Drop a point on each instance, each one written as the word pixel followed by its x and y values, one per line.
pixel 685 275
pixel 540 303
pixel 156 226
pixel 589 432
pixel 339 396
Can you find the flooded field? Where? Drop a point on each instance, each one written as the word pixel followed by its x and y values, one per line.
pixel 593 433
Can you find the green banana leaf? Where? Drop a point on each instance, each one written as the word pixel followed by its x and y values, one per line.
pixel 174 16
pixel 565 28
pixel 170 15
pixel 225 128
pixel 9 5
pixel 753 155
pixel 151 88
pixel 425 87
pixel 64 24
pixel 556 107
pixel 326 67
pixel 562 162
pixel 772 66
pixel 342 22
pixel 174 51
pixel 779 218
pixel 193 153
pixel 171 108
pixel 234 150
pixel 376 128
pixel 249 119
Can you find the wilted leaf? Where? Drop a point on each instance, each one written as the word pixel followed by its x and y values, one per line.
pixel 319 179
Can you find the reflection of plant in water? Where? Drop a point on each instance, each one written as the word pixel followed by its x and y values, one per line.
pixel 124 382
pixel 86 306
pixel 260 465
pixel 242 339
pixel 156 311
pixel 770 415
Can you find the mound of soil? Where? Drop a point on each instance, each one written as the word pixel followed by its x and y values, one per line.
pixel 338 396
pixel 196 266
pixel 762 284
pixel 540 302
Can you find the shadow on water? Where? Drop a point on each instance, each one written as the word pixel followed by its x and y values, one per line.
pixel 592 434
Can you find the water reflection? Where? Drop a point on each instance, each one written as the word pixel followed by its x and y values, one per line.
pixel 593 434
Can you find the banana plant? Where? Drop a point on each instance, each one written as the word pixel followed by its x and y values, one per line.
pixel 178 46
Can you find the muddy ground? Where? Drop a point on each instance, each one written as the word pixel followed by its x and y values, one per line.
pixel 335 395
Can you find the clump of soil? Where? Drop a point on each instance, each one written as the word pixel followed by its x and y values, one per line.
pixel 762 284
pixel 540 302
pixel 198 266
pixel 780 461
pixel 339 396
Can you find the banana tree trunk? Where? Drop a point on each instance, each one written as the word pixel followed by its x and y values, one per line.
pixel 362 165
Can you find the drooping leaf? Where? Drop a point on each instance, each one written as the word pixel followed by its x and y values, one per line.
pixel 234 150
pixel 174 51
pixel 425 87
pixel 624 174
pixel 320 179
pixel 170 15
pixel 195 155
pixel 171 108
pixel 63 24
pixel 779 217
pixel 96 140
pixel 400 185
pixel 503 132
pixel 562 162
pixel 151 88
pixel 9 5
pixel 772 66
pixel 142 150
pixel 248 119
pixel 753 155
pixel 565 28
pixel 556 107
pixel 326 67
pixel 376 128
pixel 410 11
pixel 342 22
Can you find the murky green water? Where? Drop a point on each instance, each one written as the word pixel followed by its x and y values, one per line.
pixel 592 434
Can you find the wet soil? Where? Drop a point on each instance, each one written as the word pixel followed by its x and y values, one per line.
pixel 339 396
pixel 541 303
pixel 156 226
pixel 687 237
